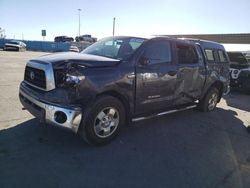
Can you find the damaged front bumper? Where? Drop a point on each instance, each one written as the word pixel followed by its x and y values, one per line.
pixel 64 116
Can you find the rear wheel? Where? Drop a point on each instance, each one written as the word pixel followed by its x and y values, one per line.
pixel 209 102
pixel 103 121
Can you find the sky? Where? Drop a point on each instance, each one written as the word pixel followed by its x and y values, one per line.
pixel 24 19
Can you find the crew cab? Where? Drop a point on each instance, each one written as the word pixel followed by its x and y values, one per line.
pixel 239 71
pixel 121 79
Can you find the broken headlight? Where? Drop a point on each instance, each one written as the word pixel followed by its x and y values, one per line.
pixel 73 80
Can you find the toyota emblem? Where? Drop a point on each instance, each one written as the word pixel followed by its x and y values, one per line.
pixel 32 75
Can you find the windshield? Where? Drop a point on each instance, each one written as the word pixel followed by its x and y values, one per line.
pixel 120 48
pixel 13 42
pixel 236 57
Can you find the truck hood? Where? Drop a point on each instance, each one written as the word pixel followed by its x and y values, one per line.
pixel 87 60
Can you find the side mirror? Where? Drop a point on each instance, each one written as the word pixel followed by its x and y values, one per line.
pixel 144 61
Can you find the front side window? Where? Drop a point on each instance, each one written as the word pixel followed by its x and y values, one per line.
pixel 186 54
pixel 158 52
pixel 116 48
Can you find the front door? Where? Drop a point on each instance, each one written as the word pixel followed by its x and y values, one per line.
pixel 155 77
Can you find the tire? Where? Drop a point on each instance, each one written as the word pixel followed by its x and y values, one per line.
pixel 209 102
pixel 103 121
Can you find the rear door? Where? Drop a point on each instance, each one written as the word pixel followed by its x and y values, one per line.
pixel 217 65
pixel 191 73
pixel 155 77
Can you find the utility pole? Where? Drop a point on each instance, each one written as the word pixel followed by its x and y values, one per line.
pixel 79 14
pixel 114 26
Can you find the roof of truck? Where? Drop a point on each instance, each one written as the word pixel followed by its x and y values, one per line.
pixel 206 43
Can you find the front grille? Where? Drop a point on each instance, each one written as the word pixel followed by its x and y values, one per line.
pixel 59 77
pixel 38 79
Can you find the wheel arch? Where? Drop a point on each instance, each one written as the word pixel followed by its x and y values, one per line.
pixel 219 85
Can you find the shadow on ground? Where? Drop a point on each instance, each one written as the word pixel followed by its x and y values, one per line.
pixel 186 149
pixel 233 100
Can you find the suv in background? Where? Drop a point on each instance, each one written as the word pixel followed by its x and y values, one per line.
pixel 63 39
pixel 239 71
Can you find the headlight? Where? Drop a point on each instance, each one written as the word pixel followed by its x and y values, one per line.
pixel 73 80
pixel 236 71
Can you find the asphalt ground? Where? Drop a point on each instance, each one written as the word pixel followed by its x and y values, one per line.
pixel 185 149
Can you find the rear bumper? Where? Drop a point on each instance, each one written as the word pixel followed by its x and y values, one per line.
pixel 49 113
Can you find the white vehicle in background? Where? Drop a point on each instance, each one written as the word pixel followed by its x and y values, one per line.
pixel 15 45
pixel 74 49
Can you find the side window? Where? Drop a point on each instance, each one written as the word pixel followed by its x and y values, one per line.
pixel 222 56
pixel 209 55
pixel 158 52
pixel 186 54
pixel 216 56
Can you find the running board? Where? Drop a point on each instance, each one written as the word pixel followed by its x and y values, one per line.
pixel 164 113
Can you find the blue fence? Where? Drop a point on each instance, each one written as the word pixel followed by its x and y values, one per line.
pixel 41 45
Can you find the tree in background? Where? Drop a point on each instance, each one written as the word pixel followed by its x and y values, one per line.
pixel 2 33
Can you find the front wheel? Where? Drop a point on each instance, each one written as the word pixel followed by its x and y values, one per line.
pixel 103 121
pixel 209 102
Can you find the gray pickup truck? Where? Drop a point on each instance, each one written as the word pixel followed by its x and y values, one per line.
pixel 122 79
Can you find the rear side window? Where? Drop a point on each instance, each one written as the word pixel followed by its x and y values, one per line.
pixel 215 55
pixel 158 52
pixel 186 54
pixel 222 56
pixel 209 55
